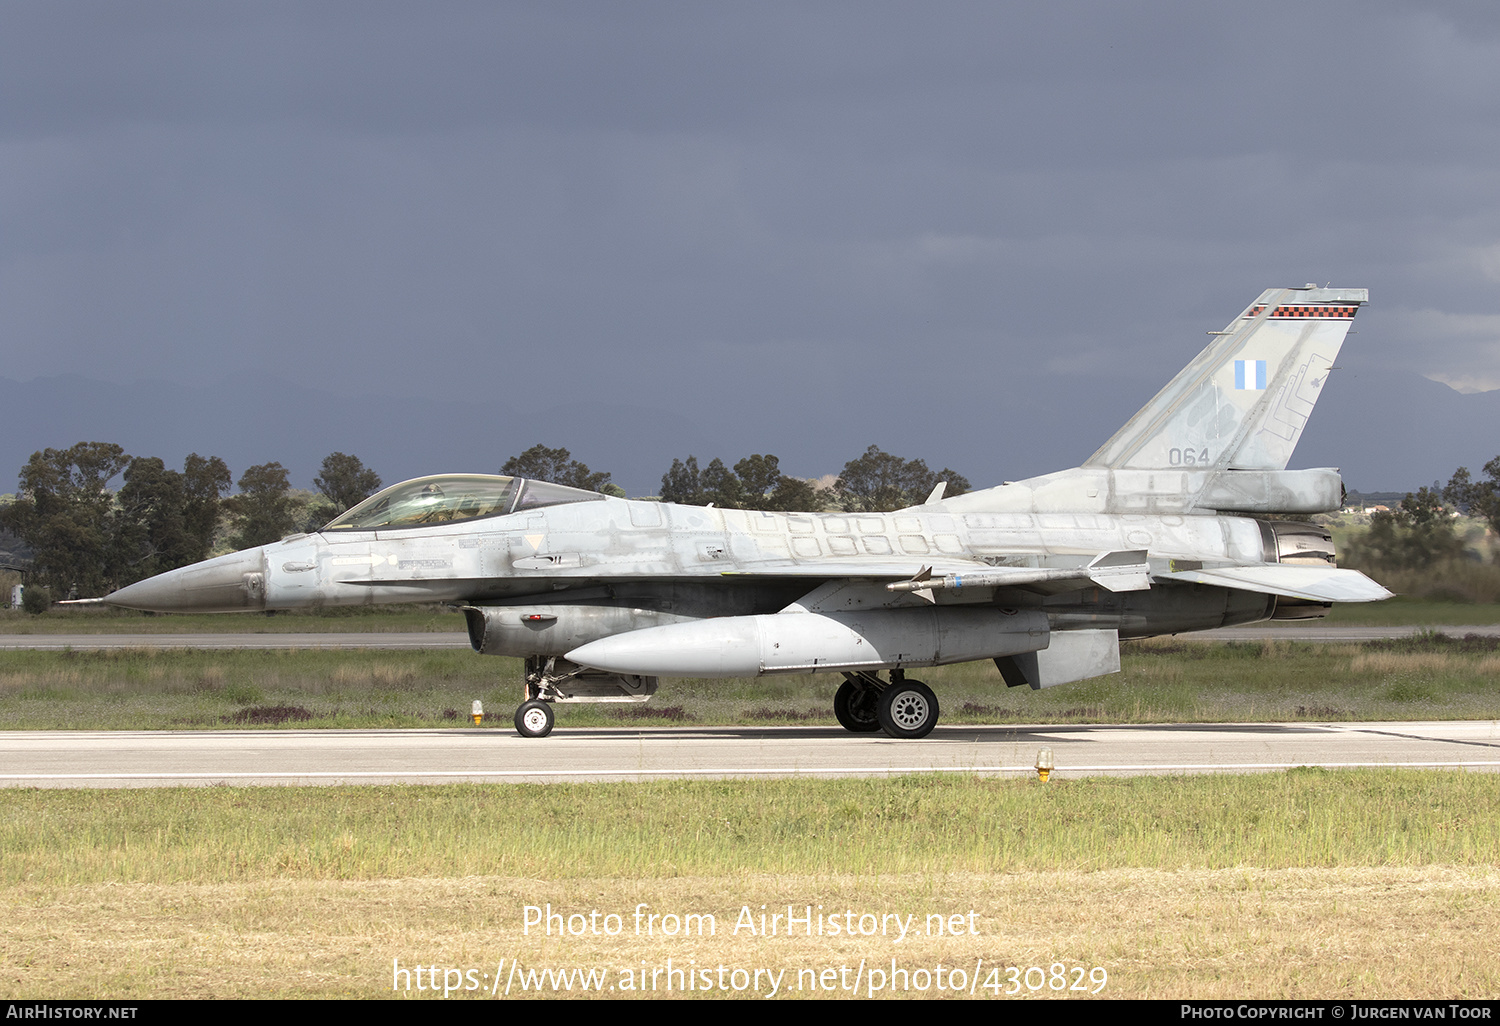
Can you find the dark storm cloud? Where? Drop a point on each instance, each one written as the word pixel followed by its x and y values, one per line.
pixel 796 222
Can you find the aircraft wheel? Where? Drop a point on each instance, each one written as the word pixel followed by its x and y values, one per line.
pixel 908 709
pixel 854 708
pixel 534 719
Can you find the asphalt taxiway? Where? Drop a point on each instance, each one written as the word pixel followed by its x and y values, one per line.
pixel 498 755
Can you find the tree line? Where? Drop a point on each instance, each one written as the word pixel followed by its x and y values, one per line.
pixel 86 540
pixel 1420 533
pixel 876 481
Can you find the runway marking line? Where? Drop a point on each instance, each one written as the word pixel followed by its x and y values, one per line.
pixel 1414 737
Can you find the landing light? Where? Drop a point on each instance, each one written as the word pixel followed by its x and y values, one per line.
pixel 477 711
pixel 1043 764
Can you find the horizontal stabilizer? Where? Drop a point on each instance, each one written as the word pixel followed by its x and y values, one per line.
pixel 1315 583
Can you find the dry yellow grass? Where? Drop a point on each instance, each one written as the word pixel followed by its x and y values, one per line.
pixel 1423 662
pixel 1227 933
pixel 1407 662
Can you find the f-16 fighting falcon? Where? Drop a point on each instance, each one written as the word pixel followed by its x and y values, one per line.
pixel 1157 533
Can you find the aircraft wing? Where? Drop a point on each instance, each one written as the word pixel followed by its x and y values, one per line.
pixel 1315 583
pixel 1113 571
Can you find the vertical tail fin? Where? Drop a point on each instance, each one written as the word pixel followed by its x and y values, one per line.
pixel 1241 404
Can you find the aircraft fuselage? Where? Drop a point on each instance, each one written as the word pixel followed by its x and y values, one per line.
pixel 685 562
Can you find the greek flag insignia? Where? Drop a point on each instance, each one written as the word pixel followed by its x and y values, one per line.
pixel 1250 374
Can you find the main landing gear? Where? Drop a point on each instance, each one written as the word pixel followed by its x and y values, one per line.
pixel 902 708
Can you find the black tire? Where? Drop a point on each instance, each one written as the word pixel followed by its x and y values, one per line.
pixel 908 709
pixel 854 708
pixel 534 719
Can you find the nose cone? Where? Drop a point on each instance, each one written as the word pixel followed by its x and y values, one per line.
pixel 225 584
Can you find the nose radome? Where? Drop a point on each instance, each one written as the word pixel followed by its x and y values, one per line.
pixel 224 584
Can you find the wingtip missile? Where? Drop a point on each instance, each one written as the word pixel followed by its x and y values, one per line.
pixel 1125 570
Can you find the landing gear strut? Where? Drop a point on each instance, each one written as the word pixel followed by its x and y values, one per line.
pixel 550 680
pixel 534 718
pixel 902 708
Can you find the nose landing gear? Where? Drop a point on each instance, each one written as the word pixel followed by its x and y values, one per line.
pixel 534 719
pixel 550 680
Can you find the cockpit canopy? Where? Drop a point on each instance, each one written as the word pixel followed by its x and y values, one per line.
pixel 449 498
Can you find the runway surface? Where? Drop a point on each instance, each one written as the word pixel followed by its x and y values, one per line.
pixel 460 640
pixel 498 755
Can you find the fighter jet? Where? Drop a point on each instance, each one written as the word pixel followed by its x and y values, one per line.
pixel 1159 532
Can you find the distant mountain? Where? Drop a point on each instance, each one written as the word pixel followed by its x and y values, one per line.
pixel 13 553
pixel 1392 431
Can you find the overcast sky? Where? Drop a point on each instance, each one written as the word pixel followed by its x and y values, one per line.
pixel 830 218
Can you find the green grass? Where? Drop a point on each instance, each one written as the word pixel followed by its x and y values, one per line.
pixel 1404 610
pixel 151 688
pixel 925 824
pixel 1425 677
